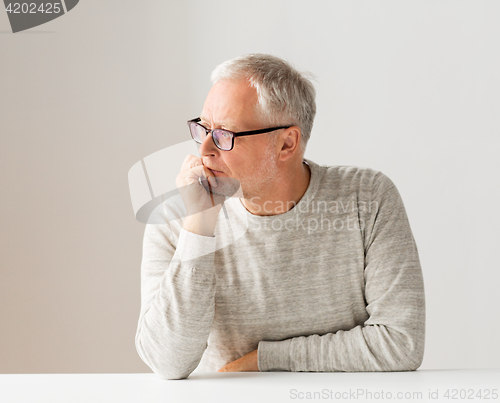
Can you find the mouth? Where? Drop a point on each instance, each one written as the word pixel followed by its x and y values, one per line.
pixel 216 172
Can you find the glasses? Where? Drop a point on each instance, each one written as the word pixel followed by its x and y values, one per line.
pixel 223 139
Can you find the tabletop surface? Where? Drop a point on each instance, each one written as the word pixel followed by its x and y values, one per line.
pixel 421 385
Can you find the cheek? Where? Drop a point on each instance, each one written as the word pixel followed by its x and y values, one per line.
pixel 234 164
pixel 240 161
pixel 247 161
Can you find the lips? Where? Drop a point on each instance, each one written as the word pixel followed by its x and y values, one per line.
pixel 214 170
pixel 218 173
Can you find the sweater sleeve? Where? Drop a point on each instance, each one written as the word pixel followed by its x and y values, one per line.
pixel 177 300
pixel 392 338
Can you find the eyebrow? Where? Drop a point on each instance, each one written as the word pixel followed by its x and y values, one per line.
pixel 223 125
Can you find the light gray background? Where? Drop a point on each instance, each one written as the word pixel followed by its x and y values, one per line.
pixel 410 88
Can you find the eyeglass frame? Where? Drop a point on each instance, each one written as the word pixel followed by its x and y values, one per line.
pixel 234 134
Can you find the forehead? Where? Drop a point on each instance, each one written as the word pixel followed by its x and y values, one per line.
pixel 230 104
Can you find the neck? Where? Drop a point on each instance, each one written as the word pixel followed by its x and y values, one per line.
pixel 281 194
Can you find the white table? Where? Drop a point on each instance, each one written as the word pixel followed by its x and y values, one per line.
pixel 255 387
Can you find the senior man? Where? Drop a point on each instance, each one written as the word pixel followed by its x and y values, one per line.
pixel 326 276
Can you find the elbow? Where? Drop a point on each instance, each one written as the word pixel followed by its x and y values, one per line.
pixel 165 370
pixel 404 350
pixel 409 358
pixel 405 362
pixel 161 365
pixel 415 351
pixel 408 363
pixel 170 373
pixel 414 360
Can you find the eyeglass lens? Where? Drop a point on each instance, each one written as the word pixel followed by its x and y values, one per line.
pixel 222 138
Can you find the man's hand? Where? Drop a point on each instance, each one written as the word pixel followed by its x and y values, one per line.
pixel 202 206
pixel 246 363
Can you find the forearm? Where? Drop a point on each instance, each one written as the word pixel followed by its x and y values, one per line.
pixel 391 339
pixel 363 348
pixel 177 310
pixel 202 223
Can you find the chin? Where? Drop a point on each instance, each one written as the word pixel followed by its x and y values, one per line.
pixel 227 186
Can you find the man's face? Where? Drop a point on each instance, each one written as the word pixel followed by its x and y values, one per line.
pixel 231 105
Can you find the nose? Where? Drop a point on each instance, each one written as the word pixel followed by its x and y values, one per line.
pixel 208 147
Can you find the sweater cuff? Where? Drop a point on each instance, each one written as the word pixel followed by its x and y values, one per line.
pixel 192 246
pixel 274 355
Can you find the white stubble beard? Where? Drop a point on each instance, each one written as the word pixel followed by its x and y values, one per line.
pixel 264 174
pixel 253 186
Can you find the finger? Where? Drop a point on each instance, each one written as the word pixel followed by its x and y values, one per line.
pixel 211 177
pixel 203 172
pixel 195 162
pixel 191 161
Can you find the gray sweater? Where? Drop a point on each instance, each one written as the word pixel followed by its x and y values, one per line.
pixel 333 284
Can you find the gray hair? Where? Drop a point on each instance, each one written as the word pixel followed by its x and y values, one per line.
pixel 285 95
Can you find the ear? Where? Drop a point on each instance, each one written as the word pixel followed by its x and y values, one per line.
pixel 290 143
